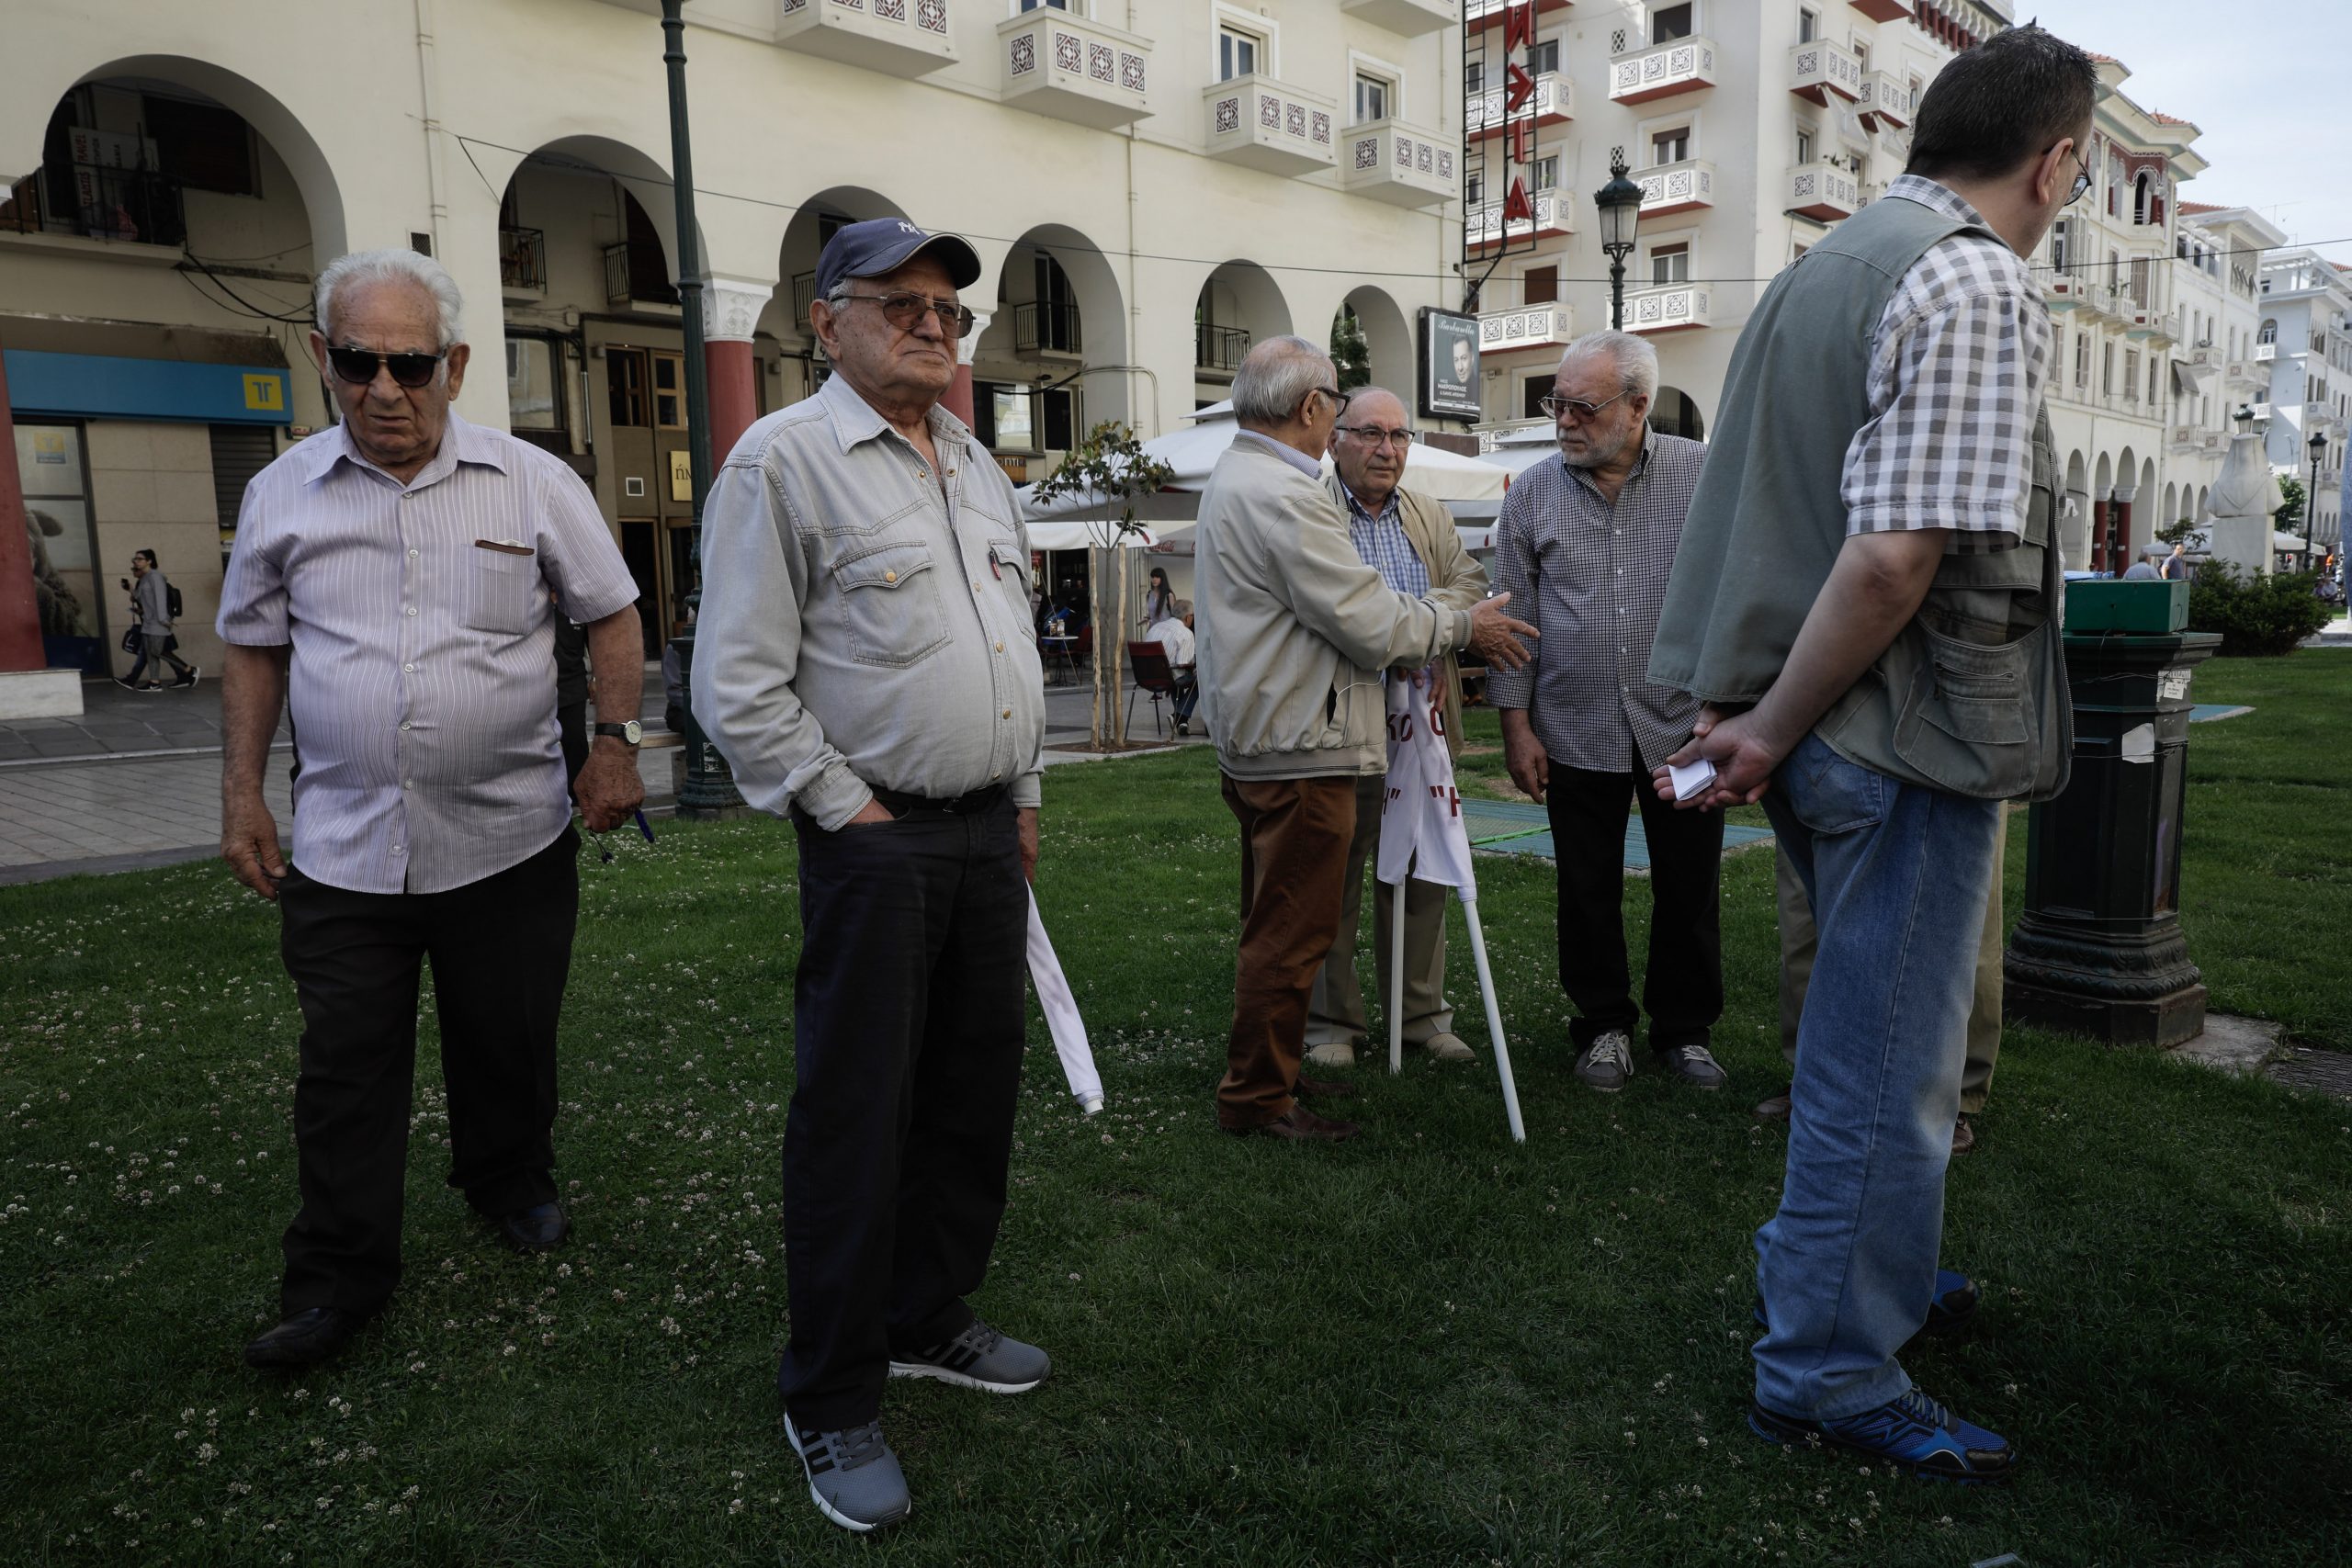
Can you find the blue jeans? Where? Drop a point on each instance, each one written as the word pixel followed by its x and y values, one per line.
pixel 1898 874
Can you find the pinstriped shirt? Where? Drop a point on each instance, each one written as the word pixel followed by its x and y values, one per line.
pixel 420 685
pixel 1592 576
pixel 1957 368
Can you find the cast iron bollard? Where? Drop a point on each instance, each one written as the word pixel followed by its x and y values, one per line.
pixel 2098 949
pixel 710 792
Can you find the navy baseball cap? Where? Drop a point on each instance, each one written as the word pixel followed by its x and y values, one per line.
pixel 884 244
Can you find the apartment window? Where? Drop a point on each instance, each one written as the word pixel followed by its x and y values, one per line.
pixel 2082 359
pixel 1808 24
pixel 1531 393
pixel 1671 22
pixel 1671 146
pixel 1805 145
pixel 2269 332
pixel 1373 95
pixel 2140 280
pixel 204 146
pixel 2060 248
pixel 1669 263
pixel 2107 370
pixel 669 392
pixel 1541 286
pixel 1474 78
pixel 1237 54
pixel 1546 173
pixel 1543 57
pixel 1044 5
pixel 1862 54
pixel 1473 187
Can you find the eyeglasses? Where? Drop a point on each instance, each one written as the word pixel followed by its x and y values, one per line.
pixel 1374 437
pixel 903 309
pixel 358 365
pixel 2081 180
pixel 1553 407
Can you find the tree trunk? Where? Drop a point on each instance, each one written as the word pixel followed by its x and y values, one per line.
pixel 1094 564
pixel 1119 652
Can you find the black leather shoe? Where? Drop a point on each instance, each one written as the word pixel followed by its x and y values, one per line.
pixel 540 1228
pixel 305 1339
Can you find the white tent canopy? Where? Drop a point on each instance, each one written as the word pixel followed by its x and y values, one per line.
pixel 1063 523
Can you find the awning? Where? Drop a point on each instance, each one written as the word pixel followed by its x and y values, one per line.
pixel 2194 380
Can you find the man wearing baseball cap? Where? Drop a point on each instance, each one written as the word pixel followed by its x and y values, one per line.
pixel 865 663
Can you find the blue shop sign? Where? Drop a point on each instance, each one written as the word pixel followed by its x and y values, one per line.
pixel 90 386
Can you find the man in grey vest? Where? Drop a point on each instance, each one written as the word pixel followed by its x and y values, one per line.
pixel 1867 602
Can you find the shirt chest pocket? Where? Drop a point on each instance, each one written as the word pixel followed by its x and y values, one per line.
pixel 890 606
pixel 500 591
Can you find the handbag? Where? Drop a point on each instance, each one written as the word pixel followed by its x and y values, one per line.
pixel 130 640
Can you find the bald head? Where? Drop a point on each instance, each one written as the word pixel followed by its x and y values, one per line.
pixel 1369 445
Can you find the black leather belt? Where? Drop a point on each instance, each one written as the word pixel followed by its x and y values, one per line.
pixel 972 805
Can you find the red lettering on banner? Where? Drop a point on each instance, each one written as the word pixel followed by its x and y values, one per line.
pixel 1522 142
pixel 1516 208
pixel 1518 86
pixel 1519 25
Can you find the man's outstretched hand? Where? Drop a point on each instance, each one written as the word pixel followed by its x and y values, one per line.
pixel 1494 636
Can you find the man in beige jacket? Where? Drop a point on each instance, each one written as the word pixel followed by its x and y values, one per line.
pixel 1293 632
pixel 1411 541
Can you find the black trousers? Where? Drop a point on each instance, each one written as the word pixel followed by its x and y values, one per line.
pixel 908 1017
pixel 501 949
pixel 1682 984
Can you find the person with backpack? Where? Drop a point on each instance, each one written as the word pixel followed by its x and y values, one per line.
pixel 157 604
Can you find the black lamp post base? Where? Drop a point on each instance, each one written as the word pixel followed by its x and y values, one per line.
pixel 2133 987
pixel 2161 1021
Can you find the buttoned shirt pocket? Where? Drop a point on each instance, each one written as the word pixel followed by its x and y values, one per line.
pixel 890 599
pixel 501 592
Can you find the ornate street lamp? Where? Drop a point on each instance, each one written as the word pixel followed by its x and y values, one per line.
pixel 1619 202
pixel 2317 445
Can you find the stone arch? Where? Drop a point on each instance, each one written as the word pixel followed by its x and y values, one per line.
pixel 2204 503
pixel 1387 335
pixel 1059 320
pixel 2172 505
pixel 1238 304
pixel 551 178
pixel 1674 412
pixel 2074 514
pixel 812 223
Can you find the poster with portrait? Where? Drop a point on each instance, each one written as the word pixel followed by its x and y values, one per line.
pixel 1449 366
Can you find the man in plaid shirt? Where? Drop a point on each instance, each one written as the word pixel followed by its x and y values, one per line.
pixel 1867 602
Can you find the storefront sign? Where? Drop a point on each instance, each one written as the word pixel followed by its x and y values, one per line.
pixel 1448 379
pixel 92 386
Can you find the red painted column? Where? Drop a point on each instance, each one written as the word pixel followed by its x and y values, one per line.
pixel 2119 513
pixel 20 614
pixel 2098 534
pixel 731 308
pixel 958 399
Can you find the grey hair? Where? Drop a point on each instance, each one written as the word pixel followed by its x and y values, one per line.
pixel 1369 391
pixel 1276 376
pixel 1635 359
pixel 363 267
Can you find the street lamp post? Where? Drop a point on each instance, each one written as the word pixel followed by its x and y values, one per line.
pixel 1619 203
pixel 709 788
pixel 2318 448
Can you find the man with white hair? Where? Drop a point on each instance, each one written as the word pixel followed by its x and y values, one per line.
pixel 389 588
pixel 1295 631
pixel 1587 540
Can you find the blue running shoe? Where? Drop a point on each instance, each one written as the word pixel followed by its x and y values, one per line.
pixel 1913 1433
pixel 1951 1306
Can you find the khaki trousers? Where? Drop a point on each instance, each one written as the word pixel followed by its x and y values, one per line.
pixel 1295 837
pixel 1797 940
pixel 1336 1014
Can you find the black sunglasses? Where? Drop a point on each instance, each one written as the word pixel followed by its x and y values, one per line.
pixel 903 309
pixel 358 365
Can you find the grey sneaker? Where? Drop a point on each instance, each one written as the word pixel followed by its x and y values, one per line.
pixel 979 1358
pixel 1607 1063
pixel 854 1478
pixel 1694 1065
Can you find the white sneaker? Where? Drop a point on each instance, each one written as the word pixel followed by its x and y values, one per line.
pixel 1447 1048
pixel 1332 1054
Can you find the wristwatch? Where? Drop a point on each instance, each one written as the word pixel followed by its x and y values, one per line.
pixel 631 733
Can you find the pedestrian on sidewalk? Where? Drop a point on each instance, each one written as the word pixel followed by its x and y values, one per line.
pixel 1866 604
pixel 866 665
pixel 1586 540
pixel 155 603
pixel 389 588
pixel 1295 631
pixel 1411 542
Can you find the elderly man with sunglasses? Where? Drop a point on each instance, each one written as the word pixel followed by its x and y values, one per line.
pixel 1411 541
pixel 865 661
pixel 1588 538
pixel 390 589
pixel 1295 631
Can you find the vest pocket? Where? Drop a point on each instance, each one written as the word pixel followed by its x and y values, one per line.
pixel 890 604
pixel 1963 722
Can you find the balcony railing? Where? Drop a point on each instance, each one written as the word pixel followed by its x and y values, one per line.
pixel 1683 187
pixel 1266 124
pixel 1399 164
pixel 1218 348
pixel 905 38
pixel 804 294
pixel 2265 351
pixel 1408 18
pixel 1490 13
pixel 1554 214
pixel 1659 71
pixel 1824 191
pixel 523 259
pixel 134 205
pixel 1821 70
pixel 1667 307
pixel 1042 327
pixel 1555 100
pixel 1886 100
pixel 637 275
pixel 1062 63
pixel 1531 326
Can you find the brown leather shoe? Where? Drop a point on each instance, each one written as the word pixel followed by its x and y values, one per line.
pixel 1321 1088
pixel 1963 1137
pixel 1775 1109
pixel 1302 1125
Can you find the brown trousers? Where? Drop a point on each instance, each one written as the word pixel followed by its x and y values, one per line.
pixel 1295 836
pixel 1798 940
pixel 1337 1013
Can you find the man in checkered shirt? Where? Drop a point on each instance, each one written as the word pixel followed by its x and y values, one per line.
pixel 1587 540
pixel 1866 602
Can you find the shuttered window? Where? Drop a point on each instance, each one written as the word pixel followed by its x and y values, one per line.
pixel 239 452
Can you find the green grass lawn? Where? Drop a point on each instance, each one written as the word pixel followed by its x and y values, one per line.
pixel 1425 1347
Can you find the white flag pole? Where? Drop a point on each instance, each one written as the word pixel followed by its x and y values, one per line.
pixel 1396 975
pixel 1494 1019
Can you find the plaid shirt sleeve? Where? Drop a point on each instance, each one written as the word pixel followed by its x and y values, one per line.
pixel 1956 377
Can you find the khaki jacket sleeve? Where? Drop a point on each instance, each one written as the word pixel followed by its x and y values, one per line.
pixel 1341 600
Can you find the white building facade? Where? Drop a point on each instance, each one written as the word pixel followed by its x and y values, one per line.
pixel 1151 185
pixel 2305 335
pixel 2217 264
pixel 1752 127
